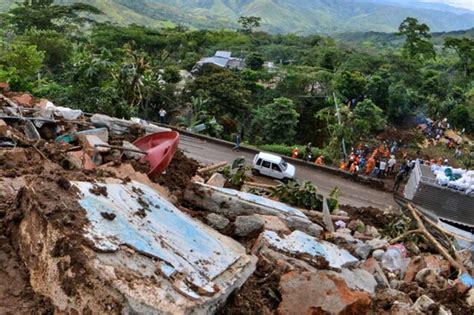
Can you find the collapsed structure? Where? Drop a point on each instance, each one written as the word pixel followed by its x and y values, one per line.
pixel 87 226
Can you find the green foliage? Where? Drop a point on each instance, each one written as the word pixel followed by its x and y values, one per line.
pixel 286 150
pixel 417 44
pixel 248 23
pixel 350 84
pixel 304 195
pixel 275 122
pixel 368 119
pixel 464 47
pixel 254 61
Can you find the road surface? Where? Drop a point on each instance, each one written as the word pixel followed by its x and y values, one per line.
pixel 352 193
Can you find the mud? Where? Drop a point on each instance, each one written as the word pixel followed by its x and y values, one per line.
pixel 369 215
pixel 179 174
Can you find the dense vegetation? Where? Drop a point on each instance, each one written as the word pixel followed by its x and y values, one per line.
pixel 55 52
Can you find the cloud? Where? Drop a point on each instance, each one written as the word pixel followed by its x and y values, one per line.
pixel 466 4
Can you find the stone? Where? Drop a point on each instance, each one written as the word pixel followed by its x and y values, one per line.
pixel 345 237
pixel 24 99
pixel 470 297
pixel 362 236
pixel 356 225
pixel 363 250
pixel 372 266
pixel 378 243
pixel 340 212
pixel 217 221
pixel 358 279
pixel 198 179
pixel 248 224
pixel 438 263
pixel 344 231
pixel 81 160
pixel 423 304
pixel 302 225
pixel 431 277
pixel 89 143
pixel 217 180
pixel 323 294
pixel 416 264
pixel 371 231
pixel 273 223
pixel 392 295
pixel 395 284
pixel 3 129
pixel 129 154
pixel 377 254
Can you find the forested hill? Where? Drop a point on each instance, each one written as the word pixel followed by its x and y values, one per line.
pixel 283 16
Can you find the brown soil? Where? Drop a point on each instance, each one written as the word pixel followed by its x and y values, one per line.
pixel 179 173
pixel 369 215
pixel 452 300
pixel 259 295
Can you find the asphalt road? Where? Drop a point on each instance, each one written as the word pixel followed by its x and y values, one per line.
pixel 352 193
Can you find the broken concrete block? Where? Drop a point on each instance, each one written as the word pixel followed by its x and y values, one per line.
pixel 372 266
pixel 89 143
pixel 217 221
pixel 273 223
pixel 431 277
pixel 378 243
pixel 377 254
pixel 306 248
pixel 23 99
pixel 233 203
pixel 164 262
pixel 319 292
pixel 416 264
pixel 362 250
pixel 81 160
pixel 247 225
pixel 129 154
pixel 3 129
pixel 217 180
pixel 101 133
pixel 357 279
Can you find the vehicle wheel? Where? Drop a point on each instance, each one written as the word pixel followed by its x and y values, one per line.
pixel 255 172
pixel 286 180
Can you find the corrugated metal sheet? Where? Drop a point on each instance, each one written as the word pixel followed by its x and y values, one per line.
pixel 444 202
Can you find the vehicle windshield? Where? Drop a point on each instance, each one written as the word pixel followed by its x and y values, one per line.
pixel 283 165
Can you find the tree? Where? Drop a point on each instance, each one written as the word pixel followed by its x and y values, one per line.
pixel 276 122
pixel 377 90
pixel 254 61
pixel 464 47
pixel 248 23
pixel 418 37
pixel 368 118
pixel 350 84
pixel 43 14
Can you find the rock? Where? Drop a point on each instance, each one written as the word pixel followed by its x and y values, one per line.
pixel 362 236
pixel 362 250
pixel 81 160
pixel 217 180
pixel 323 294
pixel 423 305
pixel 301 225
pixel 371 231
pixel 248 224
pixel 24 99
pixel 392 295
pixel 340 212
pixel 358 279
pixel 356 225
pixel 217 221
pixel 378 243
pixel 377 254
pixel 431 277
pixel 412 248
pixel 92 143
pixel 470 298
pixel 416 264
pixel 439 264
pixel 273 223
pixel 345 237
pixel 3 129
pixel 198 179
pixel 344 231
pixel 372 266
pixel 129 154
pixel 395 284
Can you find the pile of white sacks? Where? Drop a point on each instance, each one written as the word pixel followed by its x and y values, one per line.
pixel 465 183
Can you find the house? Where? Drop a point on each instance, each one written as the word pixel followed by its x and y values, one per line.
pixel 221 59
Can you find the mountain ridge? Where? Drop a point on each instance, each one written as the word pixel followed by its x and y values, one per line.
pixel 284 16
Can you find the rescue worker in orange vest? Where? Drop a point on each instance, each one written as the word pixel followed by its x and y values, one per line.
pixel 343 165
pixel 353 168
pixel 295 152
pixel 370 165
pixel 319 160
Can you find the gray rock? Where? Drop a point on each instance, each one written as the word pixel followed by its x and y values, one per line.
pixel 378 243
pixel 246 225
pixel 363 250
pixel 345 231
pixel 358 279
pixel 217 221
pixel 377 254
pixel 395 284
pixel 129 154
pixel 304 225
pixel 371 231
pixel 217 180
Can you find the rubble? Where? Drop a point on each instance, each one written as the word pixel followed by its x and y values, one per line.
pixel 86 227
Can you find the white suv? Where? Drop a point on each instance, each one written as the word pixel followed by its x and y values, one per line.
pixel 273 166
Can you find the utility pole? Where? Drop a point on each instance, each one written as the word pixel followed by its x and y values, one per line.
pixel 340 124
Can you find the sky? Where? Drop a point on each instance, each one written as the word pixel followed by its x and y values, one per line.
pixel 466 4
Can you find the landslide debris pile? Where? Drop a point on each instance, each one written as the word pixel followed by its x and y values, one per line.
pixel 84 229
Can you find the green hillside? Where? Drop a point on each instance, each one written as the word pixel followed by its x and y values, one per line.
pixel 281 16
